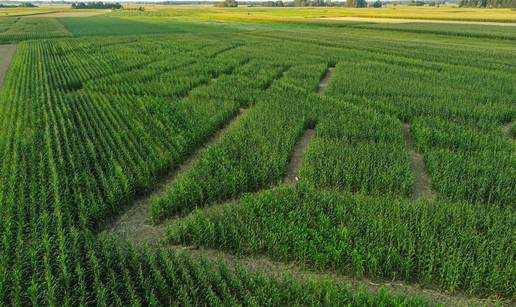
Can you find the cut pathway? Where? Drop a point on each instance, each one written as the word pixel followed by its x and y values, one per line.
pixel 422 183
pixel 309 133
pixel 506 130
pixel 297 156
pixel 6 56
pixel 133 225
pixel 325 81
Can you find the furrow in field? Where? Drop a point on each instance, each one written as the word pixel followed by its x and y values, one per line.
pixel 422 183
pixel 6 56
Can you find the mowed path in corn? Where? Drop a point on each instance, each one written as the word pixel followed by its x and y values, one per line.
pixel 134 226
pixel 6 56
pixel 422 187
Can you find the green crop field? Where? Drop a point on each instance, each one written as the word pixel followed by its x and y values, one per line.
pixel 200 156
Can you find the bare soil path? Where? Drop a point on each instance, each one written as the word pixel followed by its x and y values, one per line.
pixel 422 183
pixel 133 224
pixel 297 156
pixel 409 20
pixel 299 150
pixel 269 267
pixel 506 129
pixel 323 85
pixel 6 56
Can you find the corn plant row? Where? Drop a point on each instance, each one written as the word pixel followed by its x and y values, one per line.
pixel 454 152
pixel 371 44
pixel 7 22
pixel 450 245
pixel 33 28
pixel 456 124
pixel 478 96
pixel 104 273
pixel 477 31
pixel 358 150
pixel 73 156
pixel 253 154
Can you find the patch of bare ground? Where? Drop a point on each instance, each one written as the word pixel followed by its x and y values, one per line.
pixel 422 183
pixel 506 129
pixel 297 156
pixel 269 267
pixel 323 85
pixel 66 14
pixel 133 224
pixel 410 20
pixel 6 56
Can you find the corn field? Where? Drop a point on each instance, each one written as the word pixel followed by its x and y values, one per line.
pixel 90 124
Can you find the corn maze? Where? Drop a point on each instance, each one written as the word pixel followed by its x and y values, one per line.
pixel 151 170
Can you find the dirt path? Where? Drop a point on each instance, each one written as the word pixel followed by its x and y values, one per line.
pixel 407 20
pixel 422 183
pixel 299 150
pixel 323 85
pixel 6 56
pixel 506 129
pixel 305 272
pixel 133 225
pixel 297 156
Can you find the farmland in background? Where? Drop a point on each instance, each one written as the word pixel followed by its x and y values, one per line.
pixel 196 156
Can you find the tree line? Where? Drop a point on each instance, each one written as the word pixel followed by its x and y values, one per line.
pixel 24 4
pixel 96 5
pixel 320 3
pixel 488 3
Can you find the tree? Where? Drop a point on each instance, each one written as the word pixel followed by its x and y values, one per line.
pixel 96 5
pixel 356 3
pixel 230 3
pixel 377 4
pixel 227 3
pixel 301 2
pixel 27 4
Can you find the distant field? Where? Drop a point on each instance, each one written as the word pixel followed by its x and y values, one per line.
pixel 45 9
pixel 283 14
pixel 22 28
pixel 133 26
pixel 71 13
